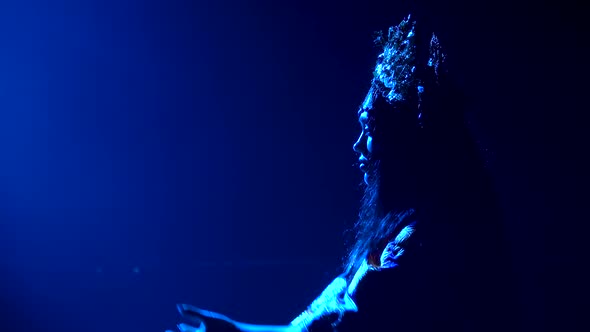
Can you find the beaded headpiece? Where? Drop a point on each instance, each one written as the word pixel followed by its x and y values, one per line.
pixel 399 76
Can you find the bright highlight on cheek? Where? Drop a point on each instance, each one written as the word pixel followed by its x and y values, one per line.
pixel 370 144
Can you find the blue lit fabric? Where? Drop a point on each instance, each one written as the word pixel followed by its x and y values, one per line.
pixel 339 297
pixel 395 249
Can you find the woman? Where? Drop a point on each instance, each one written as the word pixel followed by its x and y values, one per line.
pixel 428 254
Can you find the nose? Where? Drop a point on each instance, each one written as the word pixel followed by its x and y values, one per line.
pixel 357 146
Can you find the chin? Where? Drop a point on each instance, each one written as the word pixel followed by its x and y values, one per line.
pixel 366 178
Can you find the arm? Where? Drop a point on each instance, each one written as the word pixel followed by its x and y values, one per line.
pixel 215 322
pixel 265 328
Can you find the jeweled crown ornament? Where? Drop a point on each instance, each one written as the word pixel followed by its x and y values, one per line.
pixel 398 75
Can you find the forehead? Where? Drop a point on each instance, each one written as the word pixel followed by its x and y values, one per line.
pixel 367 104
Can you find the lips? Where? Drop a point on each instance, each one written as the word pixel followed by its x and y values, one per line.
pixel 363 164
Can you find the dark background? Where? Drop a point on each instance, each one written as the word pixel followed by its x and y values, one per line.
pixel 157 152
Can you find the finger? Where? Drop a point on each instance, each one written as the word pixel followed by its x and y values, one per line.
pixel 188 328
pixel 192 312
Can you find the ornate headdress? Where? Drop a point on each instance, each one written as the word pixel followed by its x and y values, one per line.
pixel 399 76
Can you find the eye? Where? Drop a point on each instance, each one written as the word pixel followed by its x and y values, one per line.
pixel 369 127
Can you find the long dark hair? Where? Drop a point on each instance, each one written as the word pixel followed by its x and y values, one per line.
pixel 429 169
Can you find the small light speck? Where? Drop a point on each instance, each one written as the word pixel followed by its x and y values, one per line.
pixel 136 270
pixel 99 269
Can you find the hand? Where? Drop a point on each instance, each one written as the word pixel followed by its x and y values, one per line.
pixel 205 320
pixel 209 321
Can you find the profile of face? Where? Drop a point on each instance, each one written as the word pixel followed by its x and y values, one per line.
pixel 365 144
pixel 389 149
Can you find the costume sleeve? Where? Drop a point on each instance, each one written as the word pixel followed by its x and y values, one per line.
pixel 409 292
pixel 384 295
pixel 386 301
pixel 326 307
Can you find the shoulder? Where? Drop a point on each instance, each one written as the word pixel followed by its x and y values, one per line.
pixel 398 271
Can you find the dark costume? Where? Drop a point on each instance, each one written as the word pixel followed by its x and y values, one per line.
pixel 422 281
pixel 404 291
